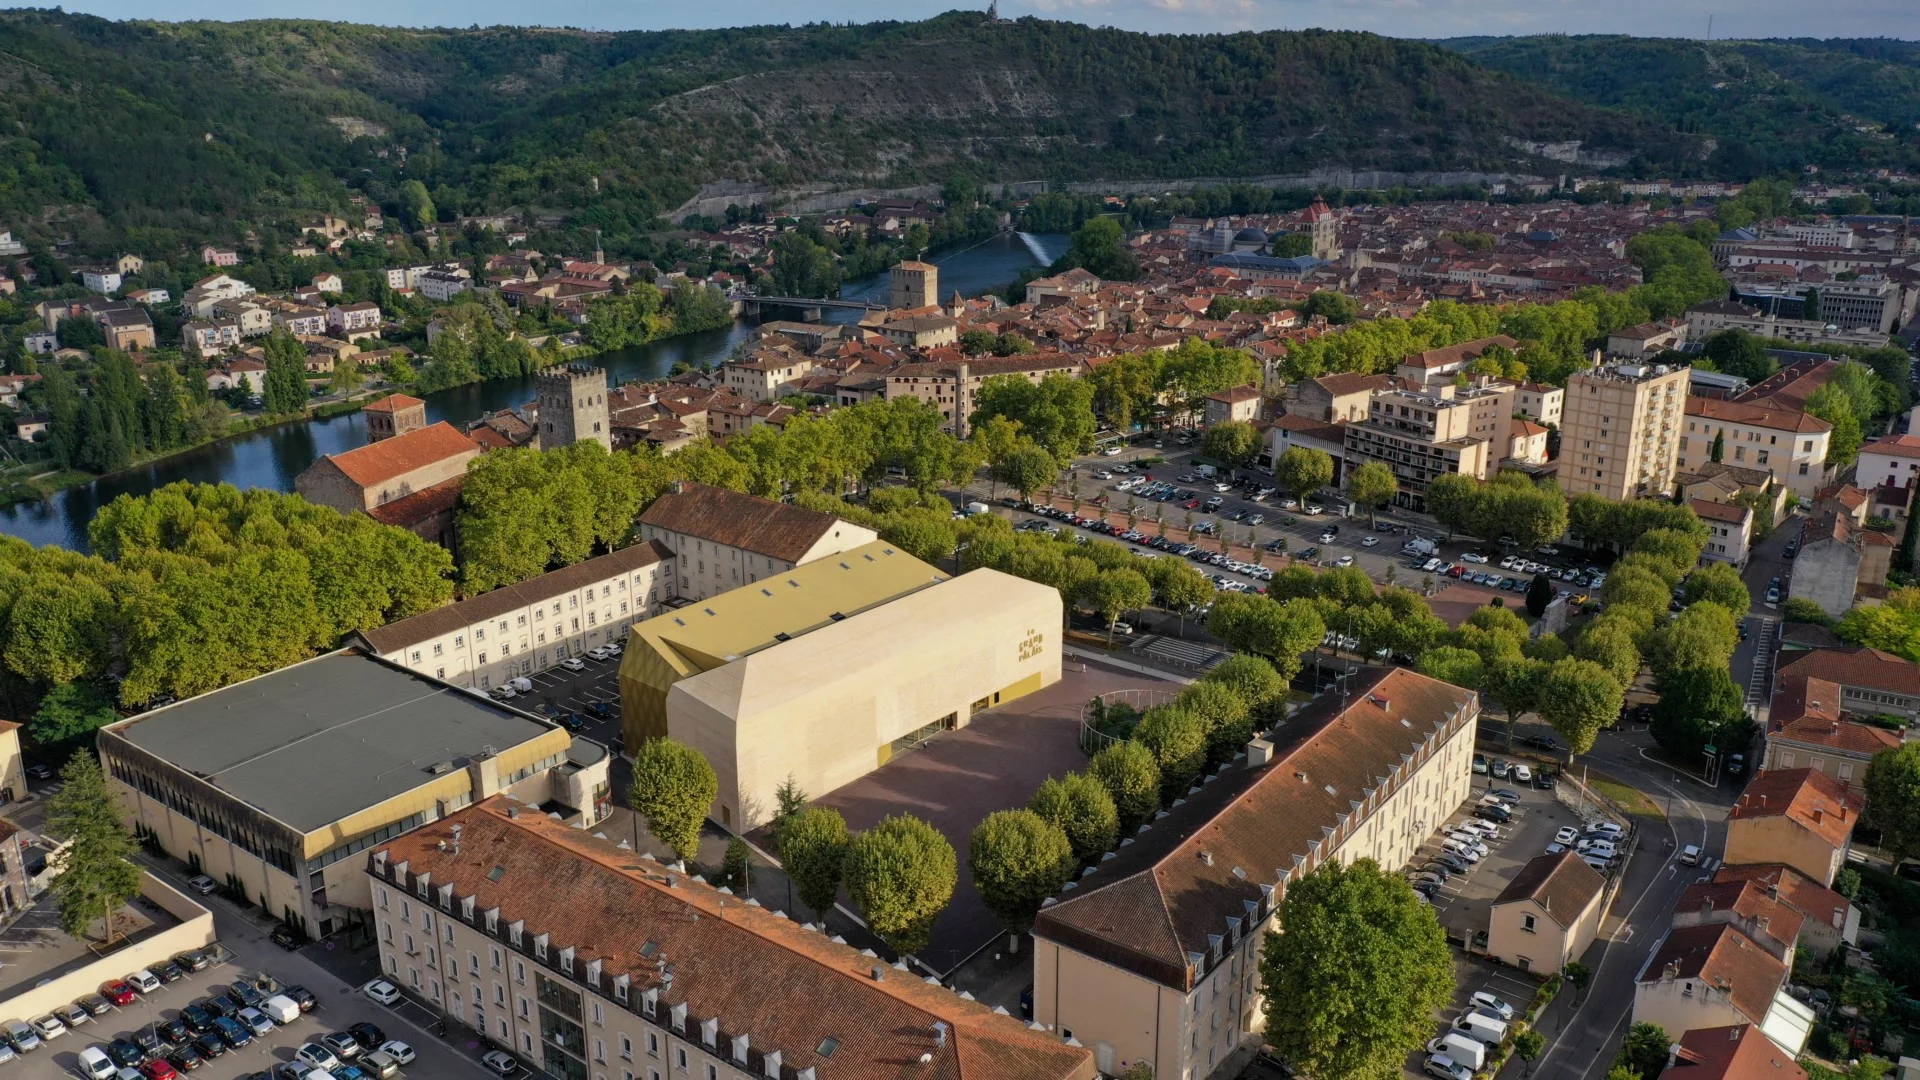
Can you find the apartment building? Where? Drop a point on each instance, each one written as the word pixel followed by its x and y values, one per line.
pixel 1154 955
pixel 1714 975
pixel 1889 461
pixel 726 539
pixel 761 377
pixel 1871 681
pixel 950 387
pixel 275 783
pixel 1335 399
pixel 1800 817
pixel 1537 401
pixel 520 629
pixel 1790 444
pixel 587 960
pixel 1619 437
pixel 1424 433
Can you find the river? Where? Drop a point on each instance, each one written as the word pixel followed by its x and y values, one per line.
pixel 273 457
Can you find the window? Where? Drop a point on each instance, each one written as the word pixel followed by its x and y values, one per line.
pixel 1846 770
pixel 1527 923
pixel 416 656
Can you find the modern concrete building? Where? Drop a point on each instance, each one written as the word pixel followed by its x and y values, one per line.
pixel 573 406
pixel 1548 914
pixel 725 539
pixel 587 960
pixel 822 673
pixel 519 629
pixel 1619 438
pixel 381 472
pixel 1800 817
pixel 274 784
pixel 1423 434
pixel 1790 444
pixel 1154 956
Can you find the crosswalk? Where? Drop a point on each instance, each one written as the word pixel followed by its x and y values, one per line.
pixel 1762 657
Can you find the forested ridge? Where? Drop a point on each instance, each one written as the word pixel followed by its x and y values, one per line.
pixel 163 134
pixel 1769 106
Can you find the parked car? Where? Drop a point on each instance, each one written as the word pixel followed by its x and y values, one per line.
pixel 574 663
pixel 1442 1067
pixel 195 960
pixel 286 937
pixel 317 1056
pixel 1498 769
pixel 94 1004
pixel 1479 765
pixel 502 1063
pixel 1567 835
pixel 398 1050
pixel 22 1037
pixel 48 1027
pixel 1521 773
pixel 343 1044
pixel 1484 1000
pixel 379 990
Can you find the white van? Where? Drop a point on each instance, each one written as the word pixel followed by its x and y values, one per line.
pixel 1467 1051
pixel 976 508
pixel 281 1009
pixel 1482 1027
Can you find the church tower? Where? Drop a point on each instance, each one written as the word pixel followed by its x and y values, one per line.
pixel 915 285
pixel 573 406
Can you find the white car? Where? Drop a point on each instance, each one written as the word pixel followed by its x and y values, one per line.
pixel 1690 855
pixel 1520 773
pixel 598 652
pixel 1566 835
pixel 502 693
pixel 573 663
pixel 1111 451
pixel 1344 560
pixel 1369 541
pixel 201 884
pixel 48 1027
pixel 1599 849
pixel 1608 827
pixel 1598 864
pixel 398 1051
pixel 381 991
pixel 500 1062
pixel 1488 1001
pixel 1473 557
pixel 317 1056
pixel 1442 1067
pixel 1485 829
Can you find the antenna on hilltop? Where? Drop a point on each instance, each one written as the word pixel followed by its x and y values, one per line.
pixel 1709 26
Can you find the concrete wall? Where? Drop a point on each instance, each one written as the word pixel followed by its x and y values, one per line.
pixel 195 931
pixel 1684 1004
pixel 1826 573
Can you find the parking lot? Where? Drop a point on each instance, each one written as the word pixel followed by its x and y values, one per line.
pixel 559 692
pixel 60 1056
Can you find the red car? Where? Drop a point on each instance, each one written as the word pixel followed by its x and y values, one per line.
pixel 1191 504
pixel 117 992
pixel 159 1069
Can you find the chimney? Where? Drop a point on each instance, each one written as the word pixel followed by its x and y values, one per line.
pixel 879 973
pixel 1259 752
pixel 1706 905
pixel 1773 890
pixel 484 769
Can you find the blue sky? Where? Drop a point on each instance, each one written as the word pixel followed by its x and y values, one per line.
pixel 1401 18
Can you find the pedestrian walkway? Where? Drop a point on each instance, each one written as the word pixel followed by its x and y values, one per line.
pixel 1762 654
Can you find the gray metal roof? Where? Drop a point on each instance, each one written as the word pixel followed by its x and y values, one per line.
pixel 313 743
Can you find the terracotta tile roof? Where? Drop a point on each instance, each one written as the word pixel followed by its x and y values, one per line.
pixel 393 403
pixel 410 510
pixel 1819 728
pixel 490 439
pixel 451 617
pixel 1814 901
pixel 1525 429
pixel 1859 667
pixel 1810 798
pixel 376 463
pixel 1159 900
pixel 1456 354
pixel 1318 429
pixel 1905 446
pixel 1739 1052
pixel 1561 884
pixel 1237 394
pixel 1727 512
pixel 755 972
pixel 1757 414
pixel 1349 383
pixel 732 519
pixel 1724 958
pixel 1747 899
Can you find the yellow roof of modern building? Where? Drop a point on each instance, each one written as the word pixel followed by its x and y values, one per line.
pixel 707 634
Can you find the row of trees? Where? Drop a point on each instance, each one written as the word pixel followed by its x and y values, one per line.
pixel 105 413
pixel 1129 389
pixel 1512 504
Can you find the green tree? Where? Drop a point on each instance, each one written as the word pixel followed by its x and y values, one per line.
pixel 1698 706
pixel 1338 308
pixel 1893 626
pixel 1611 641
pixel 736 866
pixel 813 851
pixel 1718 451
pixel 1280 632
pixel 1893 798
pixel 900 874
pixel 1131 775
pixel 1353 984
pixel 802 267
pixel 100 875
pixel 1178 741
pixel 1303 471
pixel 416 205
pixel 1802 609
pixel 1253 680
pixel 67 718
pixel 1083 809
pixel 1528 1044
pixel 1292 245
pixel 1452 664
pixel 1373 486
pixel 1027 470
pixel 1098 248
pixel 1645 1050
pixel 1232 443
pixel 672 788
pixel 1737 352
pixel 1578 697
pixel 1836 407
pixel 286 388
pixel 1018 859
pixel 1056 412
pixel 1717 583
pixel 1702 636
pixel 1113 593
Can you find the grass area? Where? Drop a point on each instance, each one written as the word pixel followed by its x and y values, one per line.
pixel 1632 800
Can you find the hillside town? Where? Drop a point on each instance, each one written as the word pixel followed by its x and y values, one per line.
pixel 1449 638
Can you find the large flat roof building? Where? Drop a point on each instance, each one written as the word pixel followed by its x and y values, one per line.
pixel 823 672
pixel 276 781
pixel 583 953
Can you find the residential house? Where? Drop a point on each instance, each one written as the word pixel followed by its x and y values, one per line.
pixel 441 286
pixel 1747 906
pixel 921 331
pixel 723 539
pixel 1647 340
pixel 1713 975
pixel 1548 914
pixel 253 318
pixel 760 377
pixel 354 321
pixel 211 290
pixel 1789 443
pixel 214 256
pixel 1826 917
pixel 299 320
pixel 1153 956
pixel 40 342
pixel 1801 817
pixel 1440 365
pixel 204 338
pixel 9 246
pixel 244 373
pixel 29 427
pixel 150 297
pixel 1335 399
pixel 1889 461
pixel 1526 442
pixel 328 282
pixel 1839 561
pixel 381 472
pixel 1734 1052
pixel 1729 530
pixel 104 280
pixel 1241 404
pixel 1871 681
pixel 126 328
pixel 521 629
pixel 1720 483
